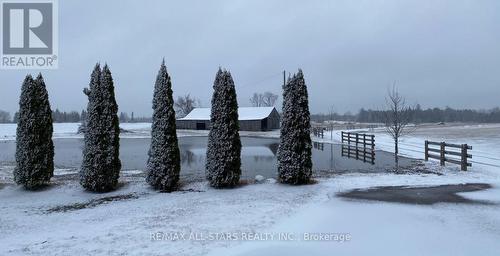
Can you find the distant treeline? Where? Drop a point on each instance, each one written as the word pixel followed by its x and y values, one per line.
pixel 60 116
pixel 72 117
pixel 125 118
pixel 4 117
pixel 418 115
pixel 334 116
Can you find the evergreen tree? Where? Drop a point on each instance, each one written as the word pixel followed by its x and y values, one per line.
pixel 223 166
pixel 101 163
pixel 164 157
pixel 294 152
pixel 34 146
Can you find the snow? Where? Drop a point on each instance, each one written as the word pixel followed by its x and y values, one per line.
pixel 244 113
pixel 133 130
pixel 61 130
pixel 126 226
pixel 386 228
pixel 259 178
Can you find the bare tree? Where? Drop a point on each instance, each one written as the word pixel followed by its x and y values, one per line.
pixel 185 104
pixel 266 99
pixel 269 99
pixel 331 115
pixel 256 100
pixel 397 119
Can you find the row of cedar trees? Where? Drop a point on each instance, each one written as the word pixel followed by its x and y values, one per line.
pixel 101 163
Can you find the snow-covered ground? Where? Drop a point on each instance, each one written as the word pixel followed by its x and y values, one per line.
pixel 63 219
pixel 70 130
pixel 132 130
pixel 61 130
pixel 377 228
pixel 55 222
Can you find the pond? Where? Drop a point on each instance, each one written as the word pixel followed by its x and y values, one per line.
pixel 258 156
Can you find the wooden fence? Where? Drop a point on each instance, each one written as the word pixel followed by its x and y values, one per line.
pixel 359 146
pixel 319 132
pixel 460 158
pixel 353 138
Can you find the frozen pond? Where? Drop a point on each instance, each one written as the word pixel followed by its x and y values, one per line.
pixel 258 156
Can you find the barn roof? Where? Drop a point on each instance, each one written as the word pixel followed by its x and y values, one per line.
pixel 244 113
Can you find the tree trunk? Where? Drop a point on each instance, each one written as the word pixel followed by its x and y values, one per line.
pixel 396 153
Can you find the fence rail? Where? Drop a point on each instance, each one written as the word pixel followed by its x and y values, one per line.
pixel 319 132
pixel 358 138
pixel 444 153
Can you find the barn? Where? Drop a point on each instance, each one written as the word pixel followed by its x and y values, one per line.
pixel 251 119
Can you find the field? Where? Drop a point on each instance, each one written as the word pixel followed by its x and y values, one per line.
pixel 413 213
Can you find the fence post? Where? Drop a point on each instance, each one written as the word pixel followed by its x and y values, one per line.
pixel 357 141
pixel 373 149
pixel 364 147
pixel 442 158
pixel 373 142
pixel 426 150
pixel 464 157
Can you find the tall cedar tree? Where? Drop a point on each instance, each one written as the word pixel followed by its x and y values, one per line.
pixel 34 146
pixel 101 163
pixel 294 152
pixel 163 166
pixel 223 166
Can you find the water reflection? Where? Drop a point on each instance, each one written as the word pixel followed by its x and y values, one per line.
pixel 188 157
pixel 364 154
pixel 319 145
pixel 258 156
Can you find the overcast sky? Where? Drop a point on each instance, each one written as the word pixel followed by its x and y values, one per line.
pixel 440 53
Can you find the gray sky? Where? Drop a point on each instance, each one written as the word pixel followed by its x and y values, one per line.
pixel 440 53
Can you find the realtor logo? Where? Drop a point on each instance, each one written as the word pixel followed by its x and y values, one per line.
pixel 29 34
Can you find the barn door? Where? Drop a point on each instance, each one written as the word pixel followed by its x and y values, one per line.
pixel 263 124
pixel 200 126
